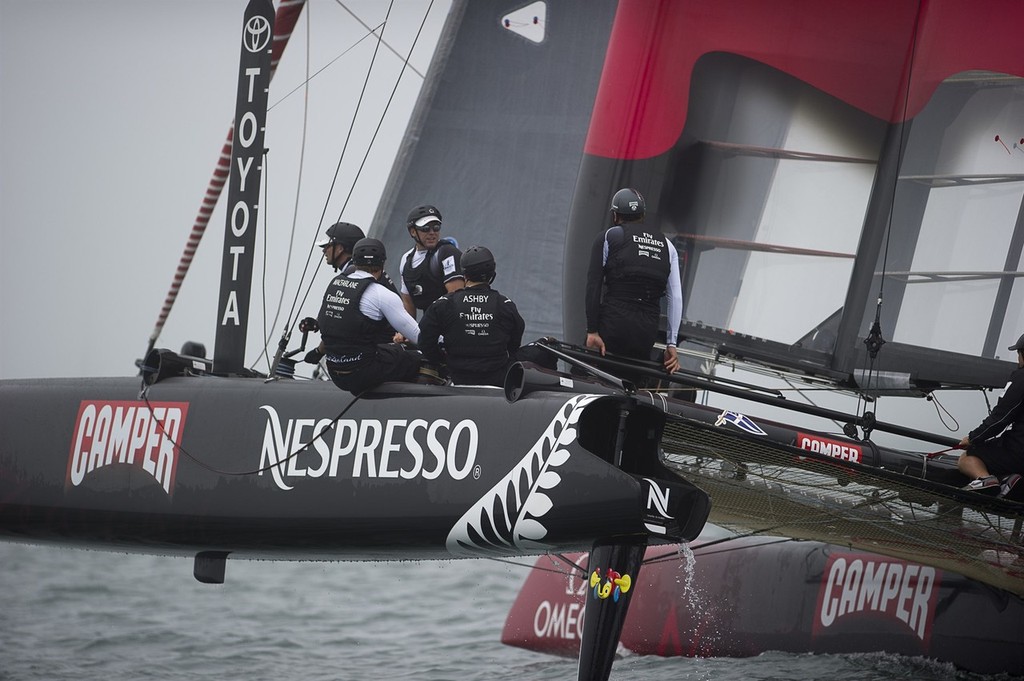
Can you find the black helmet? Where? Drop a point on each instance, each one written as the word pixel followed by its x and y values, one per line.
pixel 369 252
pixel 629 203
pixel 344 233
pixel 421 216
pixel 478 264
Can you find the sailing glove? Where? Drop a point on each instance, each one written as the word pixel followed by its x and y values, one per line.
pixel 313 356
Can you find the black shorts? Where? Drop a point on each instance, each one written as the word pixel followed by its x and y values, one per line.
pixel 392 362
pixel 628 328
pixel 1001 455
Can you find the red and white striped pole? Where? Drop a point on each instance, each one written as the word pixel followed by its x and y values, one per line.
pixel 285 19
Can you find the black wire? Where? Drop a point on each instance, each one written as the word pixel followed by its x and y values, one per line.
pixel 876 325
pixel 701 549
pixel 300 297
pixel 380 121
pixel 144 395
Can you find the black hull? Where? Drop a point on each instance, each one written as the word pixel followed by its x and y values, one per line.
pixel 408 471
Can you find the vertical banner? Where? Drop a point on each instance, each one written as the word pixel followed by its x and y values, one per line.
pixel 244 187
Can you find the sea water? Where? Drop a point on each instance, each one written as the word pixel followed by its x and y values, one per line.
pixel 81 615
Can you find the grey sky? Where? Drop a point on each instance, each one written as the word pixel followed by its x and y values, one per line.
pixel 112 117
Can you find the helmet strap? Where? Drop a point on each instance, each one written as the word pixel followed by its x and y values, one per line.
pixel 416 237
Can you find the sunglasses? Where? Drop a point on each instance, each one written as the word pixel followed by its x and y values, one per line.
pixel 433 227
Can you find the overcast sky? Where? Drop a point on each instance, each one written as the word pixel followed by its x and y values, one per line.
pixel 112 117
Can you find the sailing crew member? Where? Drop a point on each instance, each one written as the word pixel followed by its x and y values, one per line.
pixel 994 456
pixel 357 320
pixel 631 269
pixel 339 240
pixel 476 330
pixel 433 266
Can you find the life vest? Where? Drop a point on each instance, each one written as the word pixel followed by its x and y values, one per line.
pixel 350 337
pixel 473 327
pixel 637 267
pixel 425 282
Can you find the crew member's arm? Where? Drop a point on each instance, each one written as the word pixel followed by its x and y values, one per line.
pixel 595 279
pixel 430 331
pixel 316 354
pixel 1005 411
pixel 394 311
pixel 407 303
pixel 674 291
pixel 516 325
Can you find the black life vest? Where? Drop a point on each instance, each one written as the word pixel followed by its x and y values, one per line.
pixel 349 336
pixel 638 265
pixel 425 282
pixel 473 328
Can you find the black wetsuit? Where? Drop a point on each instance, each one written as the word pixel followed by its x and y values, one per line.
pixel 623 301
pixel 999 440
pixel 482 331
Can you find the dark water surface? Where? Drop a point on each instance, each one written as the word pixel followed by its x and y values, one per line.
pixel 73 614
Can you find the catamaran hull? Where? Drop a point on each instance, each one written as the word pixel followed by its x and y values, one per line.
pixel 753 595
pixel 301 470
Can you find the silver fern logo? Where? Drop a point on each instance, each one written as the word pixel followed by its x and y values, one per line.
pixel 509 518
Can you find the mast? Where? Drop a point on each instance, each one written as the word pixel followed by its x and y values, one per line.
pixel 287 15
pixel 244 187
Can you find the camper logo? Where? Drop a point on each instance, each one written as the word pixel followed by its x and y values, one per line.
pixel 834 448
pixel 867 586
pixel 613 584
pixel 139 435
pixel 740 421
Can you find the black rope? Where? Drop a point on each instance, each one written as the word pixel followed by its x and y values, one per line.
pixel 144 396
pixel 380 121
pixel 669 555
pixel 874 340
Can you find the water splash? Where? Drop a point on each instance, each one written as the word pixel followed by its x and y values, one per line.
pixel 705 633
pixel 688 568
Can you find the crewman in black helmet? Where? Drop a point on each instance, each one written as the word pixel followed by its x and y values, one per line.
pixel 357 320
pixel 433 266
pixel 481 328
pixel 337 244
pixel 632 268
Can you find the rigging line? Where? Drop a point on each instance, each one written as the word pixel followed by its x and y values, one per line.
pixel 940 409
pixel 670 555
pixel 286 333
pixel 571 563
pixel 874 340
pixel 144 395
pixel 286 16
pixel 309 254
pixel 800 392
pixel 524 565
pixel 364 25
pixel 296 302
pixel 380 121
pixel 263 279
pixel 327 65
